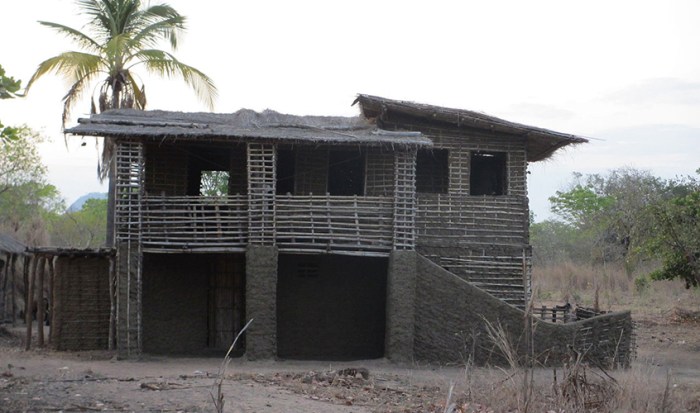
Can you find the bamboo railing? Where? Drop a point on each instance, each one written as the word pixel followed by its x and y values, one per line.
pixel 194 222
pixel 340 224
pixel 313 223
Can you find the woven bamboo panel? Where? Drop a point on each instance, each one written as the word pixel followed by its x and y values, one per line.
pixel 462 220
pixel 379 178
pixel 166 170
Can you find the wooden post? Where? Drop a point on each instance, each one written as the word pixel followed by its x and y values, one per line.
pixel 3 286
pixel 56 306
pixel 112 303
pixel 49 296
pixel 40 307
pixel 28 304
pixel 13 290
pixel 25 277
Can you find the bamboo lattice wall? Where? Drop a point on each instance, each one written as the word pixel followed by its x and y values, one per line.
pixel 128 220
pixel 405 200
pixel 261 193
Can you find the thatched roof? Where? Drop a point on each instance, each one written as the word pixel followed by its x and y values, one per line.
pixel 9 245
pixel 541 143
pixel 244 125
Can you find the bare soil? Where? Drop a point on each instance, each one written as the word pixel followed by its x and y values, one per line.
pixel 46 380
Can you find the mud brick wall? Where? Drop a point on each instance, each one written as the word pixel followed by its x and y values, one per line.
pixel 175 288
pixel 331 307
pixel 81 303
pixel 261 301
pixel 450 327
pixel 400 306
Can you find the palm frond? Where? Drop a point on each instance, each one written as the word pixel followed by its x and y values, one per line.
pixel 139 93
pixel 152 33
pixel 101 20
pixel 71 65
pixel 163 21
pixel 77 36
pixel 74 94
pixel 164 64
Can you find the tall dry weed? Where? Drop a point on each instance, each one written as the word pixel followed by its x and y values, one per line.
pixel 616 288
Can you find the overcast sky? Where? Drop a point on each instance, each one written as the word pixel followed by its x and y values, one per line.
pixel 624 73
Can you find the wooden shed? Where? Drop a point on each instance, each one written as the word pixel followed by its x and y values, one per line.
pixel 13 254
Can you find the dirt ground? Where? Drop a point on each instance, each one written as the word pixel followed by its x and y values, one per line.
pixel 45 380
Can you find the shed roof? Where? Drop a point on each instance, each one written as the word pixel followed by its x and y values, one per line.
pixel 541 143
pixel 244 125
pixel 9 245
pixel 71 252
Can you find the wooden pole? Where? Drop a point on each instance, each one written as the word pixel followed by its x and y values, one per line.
pixel 40 307
pixel 3 292
pixel 50 297
pixel 112 303
pixel 56 319
pixel 26 263
pixel 28 305
pixel 13 290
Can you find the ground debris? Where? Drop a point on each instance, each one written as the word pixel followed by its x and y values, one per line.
pixel 682 315
pixel 161 385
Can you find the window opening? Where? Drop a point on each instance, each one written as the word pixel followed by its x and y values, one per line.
pixel 488 173
pixel 208 171
pixel 285 172
pixel 346 173
pixel 432 171
pixel 214 183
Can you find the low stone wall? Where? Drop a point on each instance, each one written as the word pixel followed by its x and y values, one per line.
pixel 451 318
pixel 81 303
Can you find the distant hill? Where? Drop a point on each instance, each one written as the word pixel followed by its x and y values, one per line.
pixel 78 204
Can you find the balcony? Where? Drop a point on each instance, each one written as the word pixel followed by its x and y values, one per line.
pixel 302 224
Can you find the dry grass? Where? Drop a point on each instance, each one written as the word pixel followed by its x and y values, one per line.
pixel 579 387
pixel 617 290
pixel 574 388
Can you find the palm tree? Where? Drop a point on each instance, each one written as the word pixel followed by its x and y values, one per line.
pixel 123 36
